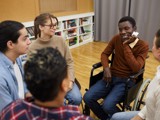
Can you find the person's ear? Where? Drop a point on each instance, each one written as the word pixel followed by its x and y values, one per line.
pixel 65 85
pixel 135 28
pixel 10 44
pixel 41 27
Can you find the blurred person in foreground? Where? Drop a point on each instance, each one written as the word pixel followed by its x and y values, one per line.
pixel 47 79
pixel 14 41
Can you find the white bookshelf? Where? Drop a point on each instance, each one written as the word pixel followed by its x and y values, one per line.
pixel 76 29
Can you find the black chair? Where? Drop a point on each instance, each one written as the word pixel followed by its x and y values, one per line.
pixel 131 93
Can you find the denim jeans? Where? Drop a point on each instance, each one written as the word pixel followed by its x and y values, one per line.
pixel 74 96
pixel 124 115
pixel 112 94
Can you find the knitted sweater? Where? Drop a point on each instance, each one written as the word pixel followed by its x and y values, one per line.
pixel 59 43
pixel 127 60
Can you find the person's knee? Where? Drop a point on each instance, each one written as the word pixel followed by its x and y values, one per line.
pixel 124 115
pixel 115 116
pixel 74 97
pixel 109 108
pixel 77 100
pixel 87 98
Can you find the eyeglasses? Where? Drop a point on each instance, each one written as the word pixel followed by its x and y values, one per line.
pixel 51 25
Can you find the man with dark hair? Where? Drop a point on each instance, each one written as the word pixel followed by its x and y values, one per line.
pixel 47 79
pixel 130 54
pixel 14 42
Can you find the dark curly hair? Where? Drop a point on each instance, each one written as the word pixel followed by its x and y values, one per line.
pixel 45 69
pixel 129 19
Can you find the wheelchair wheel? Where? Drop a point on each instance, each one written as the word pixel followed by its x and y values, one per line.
pixel 139 101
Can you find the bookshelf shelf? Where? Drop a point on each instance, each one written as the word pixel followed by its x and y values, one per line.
pixel 76 29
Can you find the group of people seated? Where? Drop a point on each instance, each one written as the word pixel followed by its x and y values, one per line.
pixel 44 87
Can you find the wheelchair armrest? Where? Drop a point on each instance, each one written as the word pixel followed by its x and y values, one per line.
pixel 137 74
pixel 97 65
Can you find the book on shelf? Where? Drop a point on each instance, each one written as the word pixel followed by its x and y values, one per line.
pixel 30 31
pixel 72 41
pixel 80 21
pixel 71 23
pixel 58 33
pixel 72 32
pixel 84 21
pixel 64 24
pixel 81 30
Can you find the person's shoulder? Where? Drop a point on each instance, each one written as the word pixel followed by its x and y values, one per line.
pixel 73 107
pixel 143 42
pixel 14 105
pixel 81 117
pixel 13 108
pixel 75 113
pixel 59 41
pixel 3 71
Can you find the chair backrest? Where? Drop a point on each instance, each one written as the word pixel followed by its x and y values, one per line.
pixel 78 84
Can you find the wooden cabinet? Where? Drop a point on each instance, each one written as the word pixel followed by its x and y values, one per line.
pixel 27 10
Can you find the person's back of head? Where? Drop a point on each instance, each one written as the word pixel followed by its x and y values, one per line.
pixel 9 31
pixel 45 71
pixel 40 20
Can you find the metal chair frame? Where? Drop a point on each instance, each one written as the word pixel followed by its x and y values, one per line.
pixel 131 93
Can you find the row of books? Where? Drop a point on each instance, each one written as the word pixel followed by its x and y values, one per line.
pixel 30 31
pixel 84 21
pixel 73 32
pixel 69 24
pixel 72 41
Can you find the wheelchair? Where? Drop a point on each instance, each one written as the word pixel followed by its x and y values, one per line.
pixel 134 94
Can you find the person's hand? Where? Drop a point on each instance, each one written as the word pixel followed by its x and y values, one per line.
pixel 137 117
pixel 130 40
pixel 107 74
pixel 28 95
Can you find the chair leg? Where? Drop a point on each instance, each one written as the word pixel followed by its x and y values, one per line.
pixel 86 110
